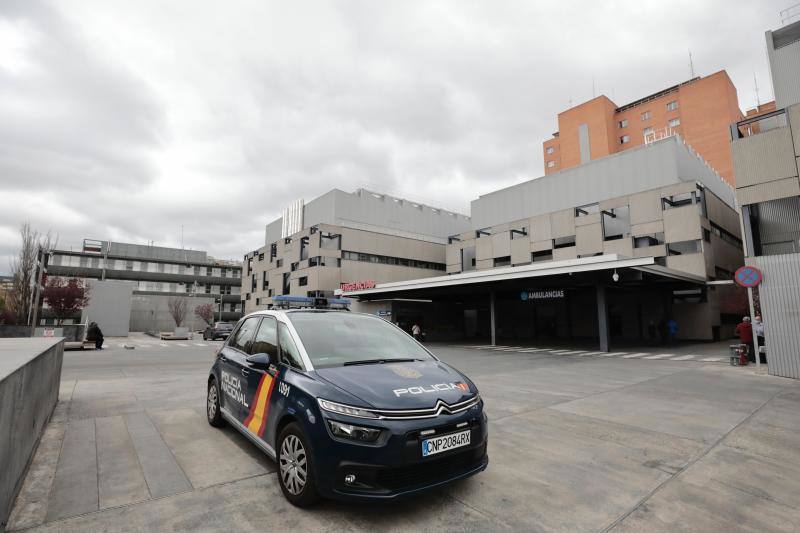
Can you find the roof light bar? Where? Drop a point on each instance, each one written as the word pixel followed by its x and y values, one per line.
pixel 288 302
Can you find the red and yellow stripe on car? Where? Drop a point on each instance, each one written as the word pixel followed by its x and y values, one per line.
pixel 256 421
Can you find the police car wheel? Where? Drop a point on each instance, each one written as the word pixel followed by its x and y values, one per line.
pixel 212 405
pixel 295 469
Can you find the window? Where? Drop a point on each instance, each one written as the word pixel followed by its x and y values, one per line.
pixel 332 339
pixel 550 150
pixel 302 281
pixel 290 355
pixel 243 338
pixel 623 123
pixel 725 235
pixel 264 280
pixel 294 266
pixel 521 233
pixel 672 106
pixel 279 263
pixel 643 241
pixel 208 288
pixel 647 131
pixel 563 242
pixel 129 265
pixel 303 248
pixel 387 260
pixel 706 235
pixel 625 139
pixel 647 115
pixel 683 247
pixel 551 164
pixel 468 259
pixel 502 261
pixel 616 223
pixel 286 283
pixel 266 340
pixel 678 200
pixel 261 256
pixel 226 289
pixel 273 251
pixel 543 255
pixel 253 282
pixel 258 301
pixel 674 123
pixel 329 241
pixel 208 271
pixel 587 209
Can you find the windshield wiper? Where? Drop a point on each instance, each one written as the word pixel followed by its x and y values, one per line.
pixel 379 361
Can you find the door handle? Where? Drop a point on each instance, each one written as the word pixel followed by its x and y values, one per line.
pixel 245 372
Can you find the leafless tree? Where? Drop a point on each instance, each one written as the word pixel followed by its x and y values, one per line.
pixel 177 308
pixel 24 289
pixel 206 312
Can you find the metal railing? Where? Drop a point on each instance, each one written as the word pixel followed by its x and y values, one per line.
pixel 760 124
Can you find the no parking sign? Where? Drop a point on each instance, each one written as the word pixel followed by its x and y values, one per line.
pixel 748 277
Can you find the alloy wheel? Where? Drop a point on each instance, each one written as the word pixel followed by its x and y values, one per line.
pixel 293 464
pixel 212 401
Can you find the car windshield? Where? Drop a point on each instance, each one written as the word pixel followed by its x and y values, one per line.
pixel 339 338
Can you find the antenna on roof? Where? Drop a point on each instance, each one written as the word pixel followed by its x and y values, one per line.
pixel 691 65
pixel 755 84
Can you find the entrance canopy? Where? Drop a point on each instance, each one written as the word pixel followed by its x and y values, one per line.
pixel 550 268
pixel 553 299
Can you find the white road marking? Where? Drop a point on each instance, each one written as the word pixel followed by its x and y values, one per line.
pixel 199 344
pixel 604 354
pixel 532 350
pixel 183 345
pixel 659 356
pixel 615 354
pixel 558 351
pixel 712 359
pixel 162 344
pixel 634 355
pixel 683 358
pixel 574 352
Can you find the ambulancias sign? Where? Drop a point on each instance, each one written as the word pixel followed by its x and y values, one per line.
pixel 357 285
pixel 541 295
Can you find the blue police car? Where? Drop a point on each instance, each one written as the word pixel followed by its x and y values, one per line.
pixel 348 405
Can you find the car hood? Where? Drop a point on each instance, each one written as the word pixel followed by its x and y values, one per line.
pixel 411 385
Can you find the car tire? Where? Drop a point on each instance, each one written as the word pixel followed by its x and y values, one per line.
pixel 295 463
pixel 213 413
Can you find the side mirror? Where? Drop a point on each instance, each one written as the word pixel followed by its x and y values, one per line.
pixel 263 360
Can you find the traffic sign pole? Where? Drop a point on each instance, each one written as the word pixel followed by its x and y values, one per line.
pixel 753 317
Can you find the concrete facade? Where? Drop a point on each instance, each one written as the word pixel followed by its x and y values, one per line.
pixel 156 271
pixel 150 312
pixel 700 110
pixel 30 375
pixel 110 307
pixel 766 156
pixel 342 241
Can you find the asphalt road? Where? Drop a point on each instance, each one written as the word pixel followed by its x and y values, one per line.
pixel 578 442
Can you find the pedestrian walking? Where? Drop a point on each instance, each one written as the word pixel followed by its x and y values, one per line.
pixel 745 332
pixel 94 333
pixel 758 329
pixel 672 330
pixel 416 331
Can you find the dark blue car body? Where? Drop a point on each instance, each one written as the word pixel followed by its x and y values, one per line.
pixel 409 402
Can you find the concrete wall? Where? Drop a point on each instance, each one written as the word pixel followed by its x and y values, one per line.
pixel 150 312
pixel 780 307
pixel 663 163
pixel 783 50
pixel 110 306
pixel 30 375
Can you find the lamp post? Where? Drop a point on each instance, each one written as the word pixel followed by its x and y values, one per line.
pixel 194 292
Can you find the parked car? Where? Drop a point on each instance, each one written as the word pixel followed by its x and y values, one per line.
pixel 348 405
pixel 220 330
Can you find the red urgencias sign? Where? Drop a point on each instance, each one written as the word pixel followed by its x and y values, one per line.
pixel 357 285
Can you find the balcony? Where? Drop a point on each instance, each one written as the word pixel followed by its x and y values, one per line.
pixel 765 156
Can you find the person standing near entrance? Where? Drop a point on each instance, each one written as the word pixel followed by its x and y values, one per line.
pixel 672 330
pixel 758 329
pixel 745 332
pixel 416 331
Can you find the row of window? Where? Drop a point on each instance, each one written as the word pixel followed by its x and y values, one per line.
pixel 647 115
pixel 673 123
pixel 186 288
pixel 142 266
pixel 387 260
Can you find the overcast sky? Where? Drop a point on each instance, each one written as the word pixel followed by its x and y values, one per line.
pixel 125 120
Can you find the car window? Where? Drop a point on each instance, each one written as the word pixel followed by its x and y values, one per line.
pixel 289 352
pixel 244 335
pixel 266 340
pixel 335 338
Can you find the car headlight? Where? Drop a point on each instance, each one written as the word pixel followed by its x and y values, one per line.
pixel 349 431
pixel 343 409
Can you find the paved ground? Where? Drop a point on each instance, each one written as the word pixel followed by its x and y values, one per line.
pixel 578 442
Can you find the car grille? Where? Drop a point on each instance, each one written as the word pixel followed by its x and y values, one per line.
pixel 441 407
pixel 427 472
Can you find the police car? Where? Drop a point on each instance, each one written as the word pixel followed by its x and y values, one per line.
pixel 348 405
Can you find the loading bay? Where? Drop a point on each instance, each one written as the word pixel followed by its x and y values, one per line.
pixel 642 440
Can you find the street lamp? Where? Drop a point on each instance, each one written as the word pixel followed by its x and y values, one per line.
pixel 194 291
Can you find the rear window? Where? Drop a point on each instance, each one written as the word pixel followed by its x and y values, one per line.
pixel 336 338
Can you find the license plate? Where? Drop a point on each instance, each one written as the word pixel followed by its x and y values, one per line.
pixel 443 443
